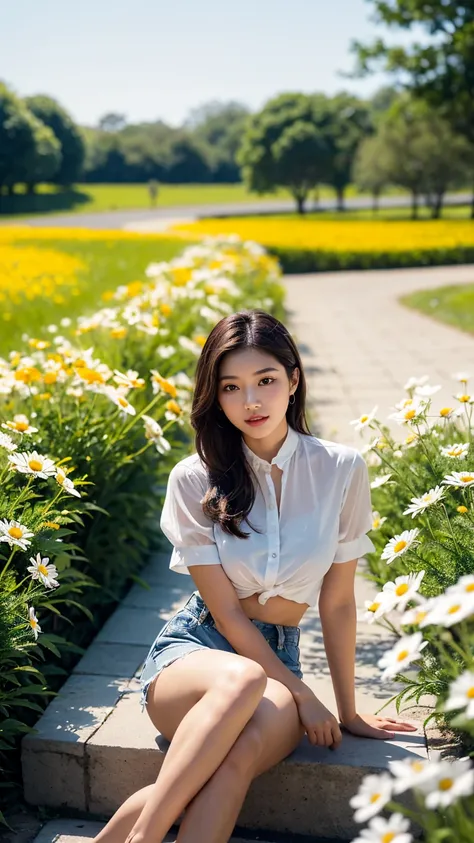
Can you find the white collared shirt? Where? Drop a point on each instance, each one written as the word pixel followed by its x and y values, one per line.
pixel 325 513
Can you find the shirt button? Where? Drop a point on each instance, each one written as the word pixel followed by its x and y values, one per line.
pixel 273 554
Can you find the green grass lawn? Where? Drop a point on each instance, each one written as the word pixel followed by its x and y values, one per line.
pixel 86 198
pixel 453 305
pixel 110 262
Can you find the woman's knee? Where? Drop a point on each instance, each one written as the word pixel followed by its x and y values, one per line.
pixel 241 680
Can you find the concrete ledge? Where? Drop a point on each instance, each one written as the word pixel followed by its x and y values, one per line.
pixel 94 746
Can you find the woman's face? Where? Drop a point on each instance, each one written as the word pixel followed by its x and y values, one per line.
pixel 244 390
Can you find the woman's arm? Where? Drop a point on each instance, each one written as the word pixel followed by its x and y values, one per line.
pixel 338 613
pixel 231 621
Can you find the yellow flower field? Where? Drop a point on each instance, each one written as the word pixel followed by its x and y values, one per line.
pixel 314 233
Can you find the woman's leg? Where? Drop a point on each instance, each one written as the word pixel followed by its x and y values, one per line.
pixel 200 703
pixel 272 733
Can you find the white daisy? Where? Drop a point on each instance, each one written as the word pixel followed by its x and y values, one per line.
pixel 452 779
pixel 190 345
pixel 428 499
pixel 409 772
pixel 30 462
pixel 40 570
pixel 130 379
pixel 464 585
pixel 377 520
pixel 406 650
pixel 462 377
pixel 459 450
pixel 412 382
pixel 400 544
pixel 120 401
pixel 15 534
pixel 154 432
pixel 413 617
pixel 450 412
pixel 381 830
pixel 33 621
pixel 427 391
pixel 20 424
pixel 364 420
pixel 7 442
pixel 404 589
pixel 413 413
pixel 461 694
pixel 449 609
pixel 373 794
pixel 380 480
pixel 66 483
pixel 377 607
pixel 465 398
pixel 463 479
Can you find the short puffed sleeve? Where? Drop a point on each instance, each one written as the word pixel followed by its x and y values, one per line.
pixel 355 518
pixel 183 521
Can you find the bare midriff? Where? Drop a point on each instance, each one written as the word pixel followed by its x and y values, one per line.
pixel 277 610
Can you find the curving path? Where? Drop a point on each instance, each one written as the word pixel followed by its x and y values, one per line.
pixel 360 345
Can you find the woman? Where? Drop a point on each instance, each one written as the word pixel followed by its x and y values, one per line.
pixel 222 681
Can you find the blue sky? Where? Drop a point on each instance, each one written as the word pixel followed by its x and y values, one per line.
pixel 151 59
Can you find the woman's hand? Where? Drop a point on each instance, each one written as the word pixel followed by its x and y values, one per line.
pixel 321 726
pixel 372 726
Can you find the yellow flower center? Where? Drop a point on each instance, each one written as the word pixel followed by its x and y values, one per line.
pixel 363 419
pixel 388 837
pixel 468 478
pixel 376 523
pixel 33 623
pixel 21 426
pixel 122 401
pixel 462 509
pixel 402 655
pixel 373 607
pixel 446 784
pixel 445 411
pixel 43 570
pixel 470 587
pixel 410 414
pixel 401 589
pixel 401 545
pixel 173 407
pixel 417 766
pixel 52 524
pixel 453 609
pixel 470 693
pixel 118 333
pixel 419 616
pixel 89 375
pixel 165 309
pixel 35 465
pixel 375 797
pixel 50 377
pixel 464 398
pixel 166 385
pixel 15 532
pixel 410 439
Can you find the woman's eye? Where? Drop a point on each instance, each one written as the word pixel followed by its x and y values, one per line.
pixel 233 384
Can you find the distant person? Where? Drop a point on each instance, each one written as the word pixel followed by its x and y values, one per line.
pixel 153 191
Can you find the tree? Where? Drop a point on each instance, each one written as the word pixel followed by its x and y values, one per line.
pixel 415 148
pixel 70 138
pixel 349 124
pixel 219 126
pixel 112 122
pixel 371 170
pixel 29 151
pixel 441 71
pixel 300 155
pixel 269 143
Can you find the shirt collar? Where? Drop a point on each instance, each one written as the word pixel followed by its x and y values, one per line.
pixel 287 449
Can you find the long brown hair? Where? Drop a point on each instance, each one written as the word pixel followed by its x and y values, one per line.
pixel 231 492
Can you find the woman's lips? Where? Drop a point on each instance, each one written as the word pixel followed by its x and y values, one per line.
pixel 255 423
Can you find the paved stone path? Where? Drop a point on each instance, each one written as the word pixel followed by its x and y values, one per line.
pixel 156 219
pixel 359 345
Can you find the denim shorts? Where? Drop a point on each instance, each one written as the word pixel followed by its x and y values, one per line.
pixel 193 628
